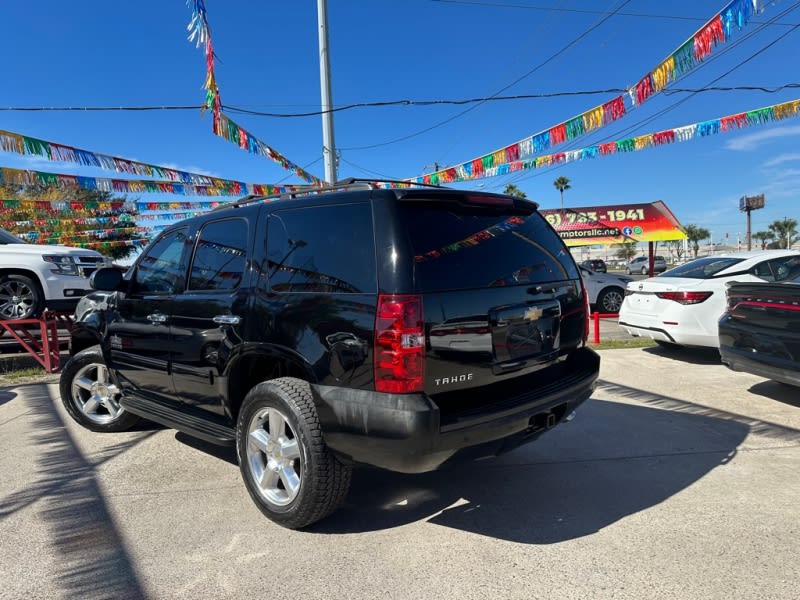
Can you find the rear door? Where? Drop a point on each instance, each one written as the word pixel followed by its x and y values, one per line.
pixel 501 292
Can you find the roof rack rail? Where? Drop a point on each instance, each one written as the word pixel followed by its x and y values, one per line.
pixel 341 185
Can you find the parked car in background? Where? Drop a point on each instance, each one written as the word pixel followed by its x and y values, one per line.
pixel 597 265
pixel 641 264
pixel 605 291
pixel 760 330
pixel 683 305
pixel 35 277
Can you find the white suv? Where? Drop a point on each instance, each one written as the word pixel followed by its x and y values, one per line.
pixel 35 277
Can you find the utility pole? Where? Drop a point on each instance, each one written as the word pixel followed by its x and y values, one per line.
pixel 328 143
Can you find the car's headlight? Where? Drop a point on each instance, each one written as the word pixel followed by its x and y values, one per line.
pixel 64 265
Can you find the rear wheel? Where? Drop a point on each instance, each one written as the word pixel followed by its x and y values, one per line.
pixel 610 300
pixel 289 472
pixel 644 270
pixel 20 298
pixel 89 395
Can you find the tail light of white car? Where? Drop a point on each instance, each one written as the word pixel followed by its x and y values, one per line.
pixel 685 297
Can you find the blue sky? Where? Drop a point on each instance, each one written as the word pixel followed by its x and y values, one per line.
pixel 90 53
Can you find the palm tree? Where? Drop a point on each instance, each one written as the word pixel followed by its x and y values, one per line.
pixel 626 250
pixel 784 231
pixel 694 234
pixel 562 183
pixel 763 237
pixel 512 190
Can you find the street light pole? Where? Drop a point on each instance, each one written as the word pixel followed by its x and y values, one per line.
pixel 328 144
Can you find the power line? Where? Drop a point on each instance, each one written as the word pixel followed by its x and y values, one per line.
pixel 380 104
pixel 585 11
pixel 556 54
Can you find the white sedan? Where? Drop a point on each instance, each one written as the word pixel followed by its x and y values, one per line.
pixel 683 305
pixel 605 290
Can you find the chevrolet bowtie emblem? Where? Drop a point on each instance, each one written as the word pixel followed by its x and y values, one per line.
pixel 533 314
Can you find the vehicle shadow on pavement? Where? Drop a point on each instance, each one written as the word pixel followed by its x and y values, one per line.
pixel 694 355
pixel 614 460
pixel 769 389
pixel 67 498
pixel 6 396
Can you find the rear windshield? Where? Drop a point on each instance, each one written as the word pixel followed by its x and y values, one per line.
pixel 462 247
pixel 702 268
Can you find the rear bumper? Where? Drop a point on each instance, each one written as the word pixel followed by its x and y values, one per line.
pixel 409 434
pixel 666 335
pixel 764 366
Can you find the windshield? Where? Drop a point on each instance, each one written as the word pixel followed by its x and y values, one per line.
pixel 7 238
pixel 702 268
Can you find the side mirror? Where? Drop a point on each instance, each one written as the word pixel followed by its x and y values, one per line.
pixel 108 279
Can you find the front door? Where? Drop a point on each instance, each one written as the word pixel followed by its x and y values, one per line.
pixel 138 338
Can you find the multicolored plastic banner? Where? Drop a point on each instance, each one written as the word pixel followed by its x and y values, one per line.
pixel 615 224
pixel 200 33
pixel 26 145
pixel 226 128
pixel 231 188
pixel 761 116
pixel 734 16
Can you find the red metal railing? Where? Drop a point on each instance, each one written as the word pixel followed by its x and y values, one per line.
pixel 44 347
pixel 596 316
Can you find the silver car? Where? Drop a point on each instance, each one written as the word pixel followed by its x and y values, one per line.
pixel 641 264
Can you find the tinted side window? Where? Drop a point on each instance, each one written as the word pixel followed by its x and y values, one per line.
pixel 322 249
pixel 460 247
pixel 161 268
pixel 220 257
pixel 778 269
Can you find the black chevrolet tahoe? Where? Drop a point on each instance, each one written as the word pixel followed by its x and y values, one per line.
pixel 399 327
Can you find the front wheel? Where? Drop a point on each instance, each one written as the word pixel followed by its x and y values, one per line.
pixel 89 395
pixel 20 298
pixel 288 470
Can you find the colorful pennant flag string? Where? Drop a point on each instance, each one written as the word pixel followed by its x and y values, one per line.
pixel 224 127
pixel 228 188
pixel 200 33
pixel 26 145
pixel 734 16
pixel 761 116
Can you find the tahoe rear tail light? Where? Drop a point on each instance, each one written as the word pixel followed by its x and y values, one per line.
pixel 685 297
pixel 399 363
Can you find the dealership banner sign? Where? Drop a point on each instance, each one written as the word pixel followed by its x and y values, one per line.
pixel 615 224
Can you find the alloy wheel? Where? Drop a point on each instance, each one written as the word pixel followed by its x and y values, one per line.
pixel 95 395
pixel 273 457
pixel 17 300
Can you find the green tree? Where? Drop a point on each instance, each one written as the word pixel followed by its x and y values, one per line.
pixel 71 217
pixel 562 184
pixel 784 232
pixel 512 190
pixel 696 234
pixel 676 249
pixel 763 237
pixel 626 250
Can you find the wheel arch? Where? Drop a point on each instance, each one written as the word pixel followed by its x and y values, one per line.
pixel 31 274
pixel 262 364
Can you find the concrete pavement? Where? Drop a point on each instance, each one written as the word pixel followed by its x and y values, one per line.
pixel 679 479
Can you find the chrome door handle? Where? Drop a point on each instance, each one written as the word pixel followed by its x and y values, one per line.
pixel 227 319
pixel 157 318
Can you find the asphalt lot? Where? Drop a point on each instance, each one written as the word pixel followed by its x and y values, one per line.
pixel 679 479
